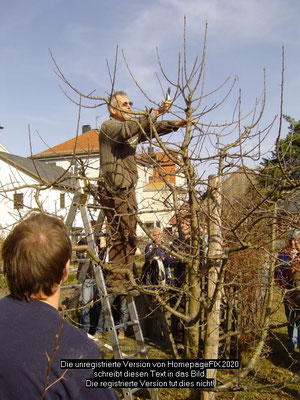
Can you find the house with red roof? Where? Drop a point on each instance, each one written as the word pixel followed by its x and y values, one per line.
pixel 80 156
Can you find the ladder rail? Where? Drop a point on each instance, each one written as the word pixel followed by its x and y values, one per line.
pixel 80 202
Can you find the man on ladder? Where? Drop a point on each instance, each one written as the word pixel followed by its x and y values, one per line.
pixel 118 139
pixel 80 202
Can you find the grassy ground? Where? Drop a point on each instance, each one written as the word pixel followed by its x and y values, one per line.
pixel 275 377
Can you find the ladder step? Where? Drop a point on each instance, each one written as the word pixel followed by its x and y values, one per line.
pixel 137 353
pixel 128 323
pixel 94 206
pixel 69 287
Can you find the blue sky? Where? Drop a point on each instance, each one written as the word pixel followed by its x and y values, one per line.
pixel 244 38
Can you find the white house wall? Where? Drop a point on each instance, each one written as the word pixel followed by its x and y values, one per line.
pixel 90 164
pixel 14 181
pixel 151 200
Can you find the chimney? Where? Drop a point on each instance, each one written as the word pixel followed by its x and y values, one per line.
pixel 86 128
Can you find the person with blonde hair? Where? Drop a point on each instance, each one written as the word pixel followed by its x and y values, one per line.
pixel 154 251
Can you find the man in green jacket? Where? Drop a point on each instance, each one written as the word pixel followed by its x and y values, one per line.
pixel 118 139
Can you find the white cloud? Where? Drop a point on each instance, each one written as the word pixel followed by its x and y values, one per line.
pixel 233 27
pixel 240 21
pixel 244 36
pixel 230 23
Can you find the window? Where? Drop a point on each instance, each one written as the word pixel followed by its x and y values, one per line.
pixel 62 202
pixel 149 225
pixel 18 201
pixel 73 167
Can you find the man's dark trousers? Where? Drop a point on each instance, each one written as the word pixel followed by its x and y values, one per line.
pixel 120 209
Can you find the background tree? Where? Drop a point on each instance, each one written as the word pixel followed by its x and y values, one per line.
pixel 281 171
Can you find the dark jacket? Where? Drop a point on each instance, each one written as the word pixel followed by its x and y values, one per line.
pixel 282 269
pixel 153 251
pixel 29 333
pixel 118 141
pixel 287 276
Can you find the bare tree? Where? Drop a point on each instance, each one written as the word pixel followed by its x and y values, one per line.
pixel 226 298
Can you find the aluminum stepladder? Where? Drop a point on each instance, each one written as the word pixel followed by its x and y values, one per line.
pixel 80 203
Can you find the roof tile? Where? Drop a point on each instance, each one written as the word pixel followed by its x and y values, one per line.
pixel 87 143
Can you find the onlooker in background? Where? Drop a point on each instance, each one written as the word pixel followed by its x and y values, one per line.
pixel 124 315
pixel 91 318
pixel 288 261
pixel 182 245
pixel 33 336
pixel 153 251
pixel 120 311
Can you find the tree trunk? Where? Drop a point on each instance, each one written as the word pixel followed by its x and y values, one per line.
pixel 192 332
pixel 213 290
